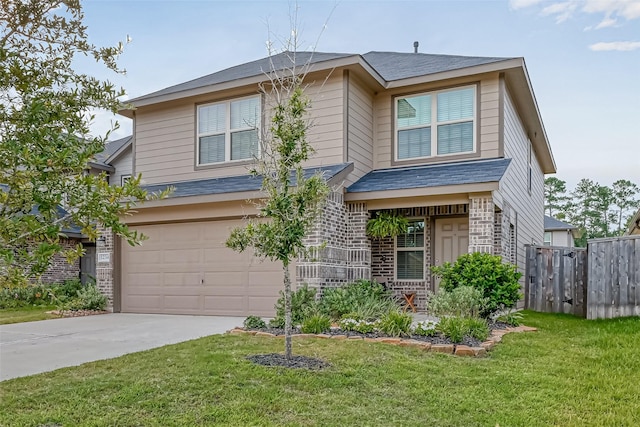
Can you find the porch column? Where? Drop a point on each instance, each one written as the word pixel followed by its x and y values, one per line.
pixel 104 264
pixel 481 224
pixel 358 242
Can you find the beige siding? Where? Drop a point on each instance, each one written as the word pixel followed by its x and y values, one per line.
pixel 529 205
pixel 561 238
pixel 165 136
pixel 488 128
pixel 360 129
pixel 123 166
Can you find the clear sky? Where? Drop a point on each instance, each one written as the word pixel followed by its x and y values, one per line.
pixel 583 56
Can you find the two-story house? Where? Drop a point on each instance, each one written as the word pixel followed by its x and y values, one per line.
pixel 456 144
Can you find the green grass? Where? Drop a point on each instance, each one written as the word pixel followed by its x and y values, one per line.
pixel 26 314
pixel 572 372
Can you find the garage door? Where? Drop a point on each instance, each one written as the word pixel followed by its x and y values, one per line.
pixel 186 269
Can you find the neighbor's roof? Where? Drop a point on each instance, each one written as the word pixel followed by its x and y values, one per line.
pixel 469 172
pixel 234 184
pixel 390 66
pixel 111 148
pixel 551 223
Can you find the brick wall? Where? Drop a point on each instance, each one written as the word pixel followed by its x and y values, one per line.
pixel 481 224
pixel 104 270
pixel 60 269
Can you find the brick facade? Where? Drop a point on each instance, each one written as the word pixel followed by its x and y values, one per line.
pixel 60 269
pixel 340 250
pixel 104 269
pixel 481 224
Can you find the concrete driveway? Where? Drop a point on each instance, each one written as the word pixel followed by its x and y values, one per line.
pixel 34 347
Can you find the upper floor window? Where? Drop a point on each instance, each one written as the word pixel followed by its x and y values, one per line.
pixel 228 130
pixel 436 123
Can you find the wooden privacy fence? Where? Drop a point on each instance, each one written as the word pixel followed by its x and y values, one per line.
pixel 600 282
pixel 556 280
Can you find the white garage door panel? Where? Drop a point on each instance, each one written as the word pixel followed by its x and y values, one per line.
pixel 186 268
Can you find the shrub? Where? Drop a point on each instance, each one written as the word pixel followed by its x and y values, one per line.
pixel 87 298
pixel 463 301
pixel 303 302
pixel 477 328
pixel 67 289
pixel 454 328
pixel 426 328
pixel 512 318
pixel 254 322
pixel 497 281
pixel 395 324
pixel 22 296
pixel 357 325
pixel 316 324
pixel 368 299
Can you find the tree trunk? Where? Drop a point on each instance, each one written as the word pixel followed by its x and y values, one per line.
pixel 287 313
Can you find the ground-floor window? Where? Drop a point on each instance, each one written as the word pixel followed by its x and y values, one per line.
pixel 410 252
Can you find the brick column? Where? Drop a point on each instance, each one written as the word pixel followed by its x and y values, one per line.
pixel 104 264
pixel 481 224
pixel 359 244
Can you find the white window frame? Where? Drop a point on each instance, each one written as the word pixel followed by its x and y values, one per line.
pixel 434 122
pixel 549 242
pixel 423 248
pixel 227 132
pixel 124 179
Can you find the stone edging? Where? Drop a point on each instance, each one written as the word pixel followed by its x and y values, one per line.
pixel 457 349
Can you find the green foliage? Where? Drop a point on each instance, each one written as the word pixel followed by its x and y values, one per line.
pixel 463 301
pixel 87 298
pixel 497 281
pixel 395 323
pixel 277 323
pixel 254 322
pixel 303 303
pixel 45 119
pixel 316 324
pixel 477 328
pixel 22 296
pixel 454 328
pixel 387 224
pixel 426 328
pixel 366 298
pixel 351 323
pixel 512 317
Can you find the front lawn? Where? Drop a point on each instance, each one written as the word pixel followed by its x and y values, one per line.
pixel 26 314
pixel 571 372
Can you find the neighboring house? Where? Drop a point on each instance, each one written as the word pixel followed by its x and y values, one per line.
pixel 116 161
pixel 634 225
pixel 559 233
pixel 454 143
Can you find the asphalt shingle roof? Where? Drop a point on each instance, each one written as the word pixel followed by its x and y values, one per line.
pixel 401 65
pixel 249 69
pixel 469 172
pixel 111 147
pixel 551 223
pixel 233 184
pixel 389 65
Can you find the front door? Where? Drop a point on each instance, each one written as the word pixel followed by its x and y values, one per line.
pixel 452 240
pixel 88 265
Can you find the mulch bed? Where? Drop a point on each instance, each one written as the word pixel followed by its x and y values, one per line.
pixel 300 362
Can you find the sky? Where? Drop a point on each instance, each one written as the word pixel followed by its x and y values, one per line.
pixel 583 56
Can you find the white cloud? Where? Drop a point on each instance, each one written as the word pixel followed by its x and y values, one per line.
pixel 623 46
pixel 563 11
pixel 521 4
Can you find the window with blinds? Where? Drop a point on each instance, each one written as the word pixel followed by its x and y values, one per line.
pixel 435 124
pixel 228 131
pixel 410 252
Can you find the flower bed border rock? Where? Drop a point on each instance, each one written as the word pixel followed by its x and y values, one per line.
pixel 455 349
pixel 76 313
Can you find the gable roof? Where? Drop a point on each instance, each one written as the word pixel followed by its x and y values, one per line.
pixel 112 148
pixel 551 224
pixel 389 66
pixel 235 184
pixel 469 172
